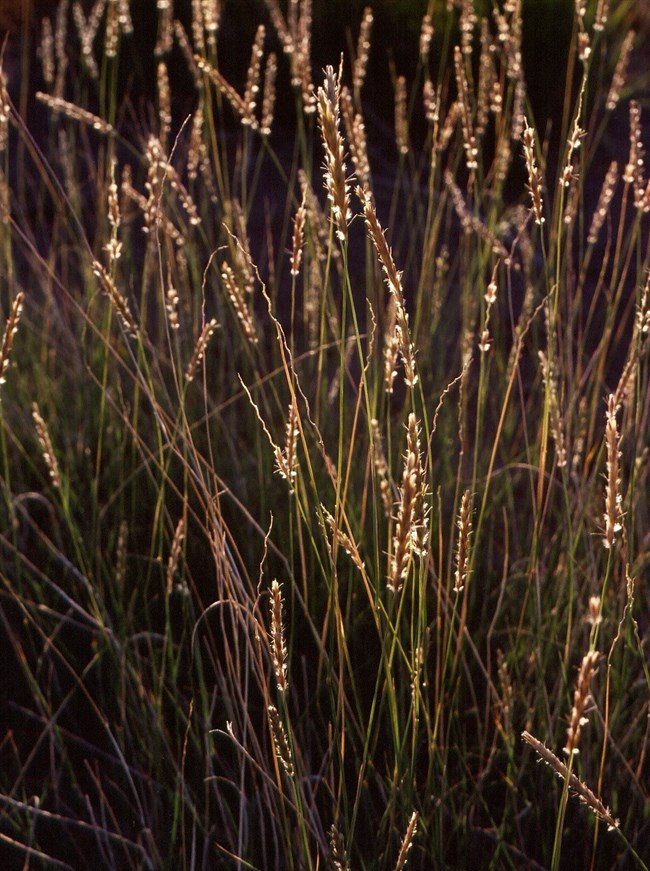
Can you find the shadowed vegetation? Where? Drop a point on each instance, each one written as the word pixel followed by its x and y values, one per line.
pixel 324 438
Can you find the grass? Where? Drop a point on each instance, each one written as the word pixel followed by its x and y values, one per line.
pixel 324 454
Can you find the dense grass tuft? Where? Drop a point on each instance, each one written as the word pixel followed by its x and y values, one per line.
pixel 324 448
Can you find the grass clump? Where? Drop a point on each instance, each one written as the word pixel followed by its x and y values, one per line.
pixel 324 451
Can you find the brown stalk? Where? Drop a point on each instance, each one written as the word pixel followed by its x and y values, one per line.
pixel 46 444
pixel 200 349
pixel 581 698
pixel 278 647
pixel 363 50
pixel 410 529
pixel 118 301
pixel 534 175
pixel 336 183
pixel 469 139
pixel 239 303
pixel 11 328
pixel 70 110
pixel 175 554
pixel 464 524
pixel 401 119
pixel 613 497
pixel 580 788
pixel 407 842
pixel 620 73
pixel 280 741
pixel 268 99
pixel 338 853
pixel 401 333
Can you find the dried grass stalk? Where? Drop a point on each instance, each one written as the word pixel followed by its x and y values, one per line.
pixel 410 529
pixel 239 302
pixel 164 103
pixel 46 52
pixel 431 103
pixel 471 223
pixel 281 27
pixel 635 168
pixel 556 417
pixel 506 700
pixel 420 526
pixel 342 538
pixel 237 102
pixel 165 39
pixel 196 143
pixel 355 130
pixel 464 524
pixel 338 853
pixel 118 301
pixel 171 305
pixel 426 37
pixel 198 35
pixel 401 117
pixel 120 554
pixel 407 842
pixel 112 29
pixel 448 127
pixel 490 298
pixel 76 113
pixel 534 174
pixel 46 445
pixel 510 26
pixel 186 48
pixel 268 99
pixel 517 113
pixel 276 638
pixel 401 332
pixel 200 349
pixel 486 80
pixel 363 50
pixel 301 59
pixel 11 328
pixel 175 554
pixel 569 173
pixel 252 90
pixel 280 741
pixel 602 13
pixel 5 112
pixel 581 698
pixel 316 220
pixel 604 200
pixel 60 47
pixel 620 73
pixel 613 496
pixel 469 139
pixel 381 467
pixel 594 616
pixel 87 31
pixel 295 36
pixel 391 346
pixel 580 788
pixel 402 540
pixel 240 247
pixel 336 184
pixel 298 238
pixel 150 207
pixel 286 461
pixel 113 247
pixel 211 13
pixel 468 20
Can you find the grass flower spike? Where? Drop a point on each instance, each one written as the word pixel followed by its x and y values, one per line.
pixel 336 183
